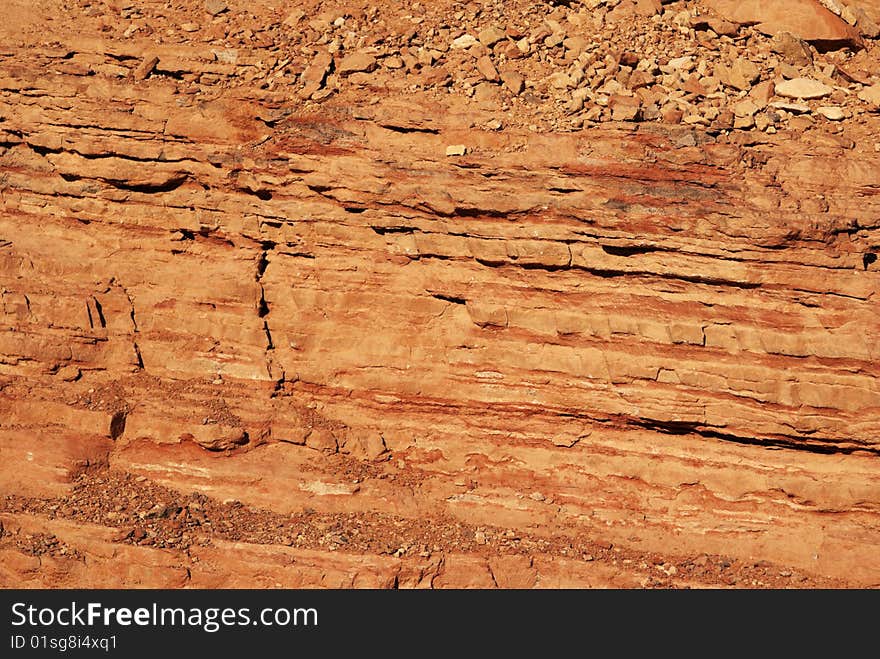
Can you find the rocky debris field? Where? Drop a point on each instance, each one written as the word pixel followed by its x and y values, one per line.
pixel 152 516
pixel 487 294
pixel 549 66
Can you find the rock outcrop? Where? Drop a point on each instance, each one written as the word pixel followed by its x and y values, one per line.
pixel 325 332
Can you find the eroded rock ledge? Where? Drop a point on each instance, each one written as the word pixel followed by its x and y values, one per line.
pixel 648 345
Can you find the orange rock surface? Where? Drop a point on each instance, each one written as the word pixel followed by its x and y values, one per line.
pixel 253 340
pixel 808 19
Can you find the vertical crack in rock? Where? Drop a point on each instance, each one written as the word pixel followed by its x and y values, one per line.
pixel 99 310
pixel 117 424
pixel 134 327
pixel 263 309
pixel 492 574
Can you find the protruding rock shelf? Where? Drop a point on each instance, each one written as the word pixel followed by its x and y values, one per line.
pixel 284 303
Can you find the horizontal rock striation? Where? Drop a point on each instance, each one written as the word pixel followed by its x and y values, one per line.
pixel 656 341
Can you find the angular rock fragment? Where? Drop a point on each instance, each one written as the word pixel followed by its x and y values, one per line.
pixel 145 68
pixel 832 113
pixel 804 88
pixel 315 73
pixel 805 19
pixel 357 63
pixel 794 50
pixel 513 81
pixel 871 96
pixel 491 36
pixel 215 7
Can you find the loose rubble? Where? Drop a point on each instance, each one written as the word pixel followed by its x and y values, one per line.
pixel 558 66
pixel 148 515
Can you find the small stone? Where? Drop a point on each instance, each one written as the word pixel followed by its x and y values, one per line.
pixel 559 80
pixel 694 119
pixel 158 510
pixel 739 75
pixel 794 108
pixel 802 88
pixel 672 115
pixel 640 80
pixel 871 95
pixel 315 73
pixel 393 62
pixel 793 50
pixel 575 45
pixel 189 27
pixel 464 41
pixel 745 108
pixel 145 68
pixel 68 373
pixel 800 122
pixel 788 71
pixel 724 120
pixel 762 93
pixel 744 123
pixel 693 86
pixel 723 28
pixel 491 35
pixel 357 63
pixel 487 68
pixel 554 40
pixel 763 121
pixel 629 58
pixel 513 81
pixel 215 7
pixel 322 439
pixel 575 105
pixel 685 64
pixel 456 150
pixel 831 112
pixel 625 108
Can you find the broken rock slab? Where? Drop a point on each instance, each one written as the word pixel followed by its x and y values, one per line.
pixel 871 96
pixel 805 19
pixel 804 88
pixel 357 63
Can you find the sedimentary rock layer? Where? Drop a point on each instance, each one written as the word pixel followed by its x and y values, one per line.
pixel 603 357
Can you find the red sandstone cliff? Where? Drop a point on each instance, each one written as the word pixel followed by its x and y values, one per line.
pixel 258 328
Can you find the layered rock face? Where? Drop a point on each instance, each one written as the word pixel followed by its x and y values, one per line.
pixel 249 340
